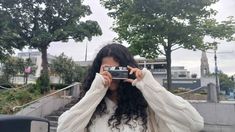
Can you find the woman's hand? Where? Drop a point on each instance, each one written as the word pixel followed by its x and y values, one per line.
pixel 106 75
pixel 138 74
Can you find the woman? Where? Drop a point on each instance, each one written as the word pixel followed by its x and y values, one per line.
pixel 139 105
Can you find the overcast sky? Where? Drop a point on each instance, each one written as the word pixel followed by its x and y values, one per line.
pixel 182 57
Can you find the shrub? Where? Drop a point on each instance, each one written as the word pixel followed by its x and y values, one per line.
pixel 15 97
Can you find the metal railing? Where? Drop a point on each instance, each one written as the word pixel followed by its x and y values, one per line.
pixel 200 93
pixel 191 91
pixel 51 94
pixel 5 88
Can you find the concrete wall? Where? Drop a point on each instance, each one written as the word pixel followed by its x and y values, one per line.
pixel 32 79
pixel 218 117
pixel 44 107
pixel 49 104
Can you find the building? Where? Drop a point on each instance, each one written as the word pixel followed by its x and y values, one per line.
pixel 156 66
pixel 204 65
pixel 206 78
pixel 36 58
pixel 180 72
pixel 84 63
pixel 180 76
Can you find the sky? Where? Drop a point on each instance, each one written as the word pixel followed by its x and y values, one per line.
pixel 182 57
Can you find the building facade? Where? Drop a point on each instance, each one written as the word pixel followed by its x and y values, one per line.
pixel 205 71
pixel 36 58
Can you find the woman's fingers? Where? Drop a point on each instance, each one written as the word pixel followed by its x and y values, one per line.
pixel 138 72
pixel 107 81
pixel 106 73
pixel 132 70
pixel 107 77
pixel 102 67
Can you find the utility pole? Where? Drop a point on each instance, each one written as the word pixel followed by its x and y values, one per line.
pixel 216 73
pixel 216 68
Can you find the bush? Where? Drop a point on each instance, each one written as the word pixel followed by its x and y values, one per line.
pixel 14 97
pixel 4 82
pixel 43 83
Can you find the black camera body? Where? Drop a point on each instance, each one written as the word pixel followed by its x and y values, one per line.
pixel 118 73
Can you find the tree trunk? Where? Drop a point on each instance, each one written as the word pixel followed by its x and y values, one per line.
pixel 168 67
pixel 44 77
pixel 27 76
pixel 44 60
pixel 12 80
pixel 7 78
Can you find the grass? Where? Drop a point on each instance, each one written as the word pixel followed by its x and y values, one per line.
pixel 14 97
pixel 19 96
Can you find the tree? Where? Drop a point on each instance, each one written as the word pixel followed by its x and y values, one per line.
pixel 226 82
pixel 12 66
pixel 66 69
pixel 154 27
pixel 8 37
pixel 78 73
pixel 39 22
pixel 57 66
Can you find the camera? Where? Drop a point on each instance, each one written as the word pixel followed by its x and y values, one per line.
pixel 118 73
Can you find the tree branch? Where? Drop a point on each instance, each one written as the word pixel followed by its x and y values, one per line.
pixel 176 48
pixel 161 52
pixel 173 44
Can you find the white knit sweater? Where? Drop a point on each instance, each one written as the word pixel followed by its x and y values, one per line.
pixel 166 113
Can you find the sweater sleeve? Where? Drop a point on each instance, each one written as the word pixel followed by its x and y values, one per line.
pixel 176 113
pixel 77 117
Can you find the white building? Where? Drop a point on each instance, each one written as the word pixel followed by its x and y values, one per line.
pixel 84 63
pixel 156 66
pixel 180 72
pixel 36 58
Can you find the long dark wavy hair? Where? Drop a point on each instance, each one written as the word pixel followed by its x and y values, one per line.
pixel 130 104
